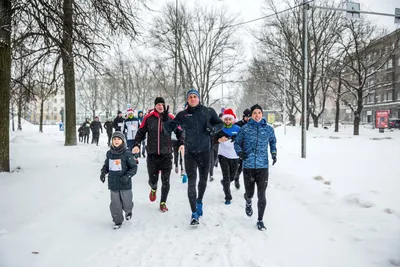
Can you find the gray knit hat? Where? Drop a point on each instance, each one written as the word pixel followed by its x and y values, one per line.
pixel 120 135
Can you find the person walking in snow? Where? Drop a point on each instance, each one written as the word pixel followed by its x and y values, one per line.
pixel 143 144
pixel 159 150
pixel 198 122
pixel 80 132
pixel 228 159
pixel 251 144
pixel 119 122
pixel 120 167
pixel 108 125
pixel 131 126
pixel 243 121
pixel 86 131
pixel 96 127
pixel 214 154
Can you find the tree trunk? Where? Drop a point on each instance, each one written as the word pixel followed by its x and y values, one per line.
pixel 19 114
pixel 315 120
pixel 12 117
pixel 5 77
pixel 69 74
pixel 41 117
pixel 357 119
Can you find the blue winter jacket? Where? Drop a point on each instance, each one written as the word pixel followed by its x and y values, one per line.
pixel 253 140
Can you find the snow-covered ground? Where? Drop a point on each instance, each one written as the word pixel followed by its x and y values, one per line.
pixel 338 207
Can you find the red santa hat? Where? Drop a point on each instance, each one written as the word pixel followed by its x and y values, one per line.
pixel 130 110
pixel 228 113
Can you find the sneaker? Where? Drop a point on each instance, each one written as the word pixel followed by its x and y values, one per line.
pixel 128 216
pixel 237 184
pixel 199 208
pixel 211 178
pixel 261 226
pixel 163 207
pixel 176 170
pixel 153 195
pixel 195 219
pixel 227 202
pixel 249 209
pixel 117 226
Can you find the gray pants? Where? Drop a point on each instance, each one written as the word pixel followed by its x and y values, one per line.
pixel 120 200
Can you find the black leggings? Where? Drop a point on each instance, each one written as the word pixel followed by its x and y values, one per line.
pixel 177 154
pixel 194 160
pixel 213 160
pixel 156 163
pixel 259 177
pixel 86 138
pixel 240 169
pixel 229 169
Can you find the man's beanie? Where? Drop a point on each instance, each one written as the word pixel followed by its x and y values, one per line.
pixel 256 106
pixel 193 91
pixel 247 113
pixel 119 112
pixel 118 134
pixel 159 100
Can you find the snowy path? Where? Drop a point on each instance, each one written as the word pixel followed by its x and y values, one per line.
pixel 56 206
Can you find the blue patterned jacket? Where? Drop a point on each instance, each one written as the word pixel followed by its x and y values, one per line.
pixel 253 140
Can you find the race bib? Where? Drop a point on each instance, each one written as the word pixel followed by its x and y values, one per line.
pixel 114 165
pixel 120 124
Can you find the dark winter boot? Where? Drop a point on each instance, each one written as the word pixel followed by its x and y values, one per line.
pixel 261 226
pixel 128 216
pixel 237 184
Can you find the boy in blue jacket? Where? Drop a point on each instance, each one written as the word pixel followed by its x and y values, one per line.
pixel 121 167
pixel 251 145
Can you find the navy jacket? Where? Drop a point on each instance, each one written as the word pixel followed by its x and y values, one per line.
pixel 120 168
pixel 194 121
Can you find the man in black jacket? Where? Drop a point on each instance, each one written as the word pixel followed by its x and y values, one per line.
pixel 241 123
pixel 159 150
pixel 118 122
pixel 198 122
pixel 108 125
pixel 96 127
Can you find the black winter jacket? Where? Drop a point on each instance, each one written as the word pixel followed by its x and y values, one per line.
pixel 96 126
pixel 194 121
pixel 118 123
pixel 108 125
pixel 86 127
pixel 159 140
pixel 120 169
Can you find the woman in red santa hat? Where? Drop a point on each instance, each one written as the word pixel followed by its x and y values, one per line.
pixel 228 159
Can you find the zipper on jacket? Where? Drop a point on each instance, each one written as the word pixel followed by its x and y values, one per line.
pixel 158 134
pixel 255 156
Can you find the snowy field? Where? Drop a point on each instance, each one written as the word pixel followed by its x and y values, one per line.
pixel 340 207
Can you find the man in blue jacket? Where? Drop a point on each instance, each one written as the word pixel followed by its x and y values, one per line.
pixel 198 122
pixel 251 145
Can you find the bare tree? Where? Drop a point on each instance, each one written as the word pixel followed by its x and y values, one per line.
pixel 281 40
pixel 76 31
pixel 206 38
pixel 366 51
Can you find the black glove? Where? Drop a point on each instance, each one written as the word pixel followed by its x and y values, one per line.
pixel 242 155
pixel 165 115
pixel 209 130
pixel 273 158
pixel 124 179
pixel 103 177
pixel 233 138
